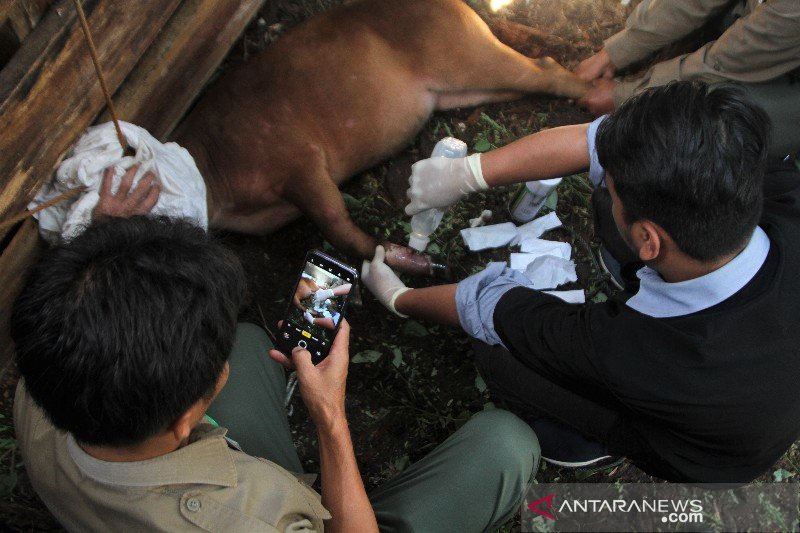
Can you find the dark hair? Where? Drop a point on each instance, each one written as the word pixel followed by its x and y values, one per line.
pixel 122 329
pixel 691 159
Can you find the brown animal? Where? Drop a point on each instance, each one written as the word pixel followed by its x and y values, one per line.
pixel 276 136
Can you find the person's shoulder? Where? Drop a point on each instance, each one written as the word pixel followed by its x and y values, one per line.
pixel 267 490
pixel 30 423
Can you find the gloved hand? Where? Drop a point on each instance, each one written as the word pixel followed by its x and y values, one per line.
pixel 309 317
pixel 441 181
pixel 322 295
pixel 381 281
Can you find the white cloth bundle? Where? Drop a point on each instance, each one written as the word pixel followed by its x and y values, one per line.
pixel 183 191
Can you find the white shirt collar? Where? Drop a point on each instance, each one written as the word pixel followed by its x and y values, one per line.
pixel 661 299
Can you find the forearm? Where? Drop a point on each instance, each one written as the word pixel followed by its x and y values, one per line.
pixel 342 289
pixel 343 491
pixel 437 304
pixel 547 154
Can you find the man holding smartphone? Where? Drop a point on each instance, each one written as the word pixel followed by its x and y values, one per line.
pixel 130 353
pixel 693 378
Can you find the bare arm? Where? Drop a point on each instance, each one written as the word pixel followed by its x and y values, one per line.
pixel 343 492
pixel 437 304
pixel 546 154
pixel 342 289
pixel 323 390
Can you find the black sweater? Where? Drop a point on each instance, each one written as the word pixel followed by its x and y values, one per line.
pixel 714 393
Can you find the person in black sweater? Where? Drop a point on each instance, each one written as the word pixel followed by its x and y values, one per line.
pixel 694 377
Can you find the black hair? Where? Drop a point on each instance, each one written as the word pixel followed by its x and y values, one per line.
pixel 690 158
pixel 123 328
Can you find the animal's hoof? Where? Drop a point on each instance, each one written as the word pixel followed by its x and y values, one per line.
pixel 408 260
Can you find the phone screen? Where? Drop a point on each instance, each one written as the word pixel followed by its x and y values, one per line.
pixel 317 305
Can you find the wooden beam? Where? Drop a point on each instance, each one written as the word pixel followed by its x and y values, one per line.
pixel 49 93
pixel 180 62
pixel 25 16
pixel 5 9
pixel 15 263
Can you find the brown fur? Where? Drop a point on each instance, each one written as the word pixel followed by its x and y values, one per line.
pixel 344 90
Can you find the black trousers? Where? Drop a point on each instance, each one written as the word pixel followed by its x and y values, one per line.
pixel 516 386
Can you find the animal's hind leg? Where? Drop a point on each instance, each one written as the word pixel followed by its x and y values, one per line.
pixel 451 100
pixel 479 63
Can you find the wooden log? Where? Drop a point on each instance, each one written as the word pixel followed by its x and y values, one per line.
pixel 15 263
pixel 49 92
pixel 25 16
pixel 5 9
pixel 180 61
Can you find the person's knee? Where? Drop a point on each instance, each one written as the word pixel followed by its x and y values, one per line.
pixel 511 442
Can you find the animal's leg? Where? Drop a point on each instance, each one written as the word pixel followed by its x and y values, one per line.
pixel 477 61
pixel 316 194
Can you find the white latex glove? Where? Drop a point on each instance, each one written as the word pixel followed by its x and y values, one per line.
pixel 309 317
pixel 322 295
pixel 381 281
pixel 441 181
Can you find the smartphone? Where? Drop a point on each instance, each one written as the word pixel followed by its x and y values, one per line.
pixel 317 305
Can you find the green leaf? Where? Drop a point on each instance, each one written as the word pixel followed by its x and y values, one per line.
pixel 367 356
pixel 401 463
pixel 398 358
pixel 480 384
pixel 351 202
pixel 552 201
pixel 482 145
pixel 599 298
pixel 781 475
pixel 414 329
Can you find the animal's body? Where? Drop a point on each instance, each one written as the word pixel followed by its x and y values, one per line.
pixel 276 136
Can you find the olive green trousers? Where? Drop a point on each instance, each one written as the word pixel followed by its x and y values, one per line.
pixel 473 481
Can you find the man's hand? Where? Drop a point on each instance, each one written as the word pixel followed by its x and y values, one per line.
pixel 126 202
pixel 441 181
pixel 322 386
pixel 597 66
pixel 381 280
pixel 600 98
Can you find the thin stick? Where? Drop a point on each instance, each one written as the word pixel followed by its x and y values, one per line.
pixel 50 203
pixel 93 51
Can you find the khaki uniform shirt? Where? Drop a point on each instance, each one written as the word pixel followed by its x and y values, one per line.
pixel 761 45
pixel 206 485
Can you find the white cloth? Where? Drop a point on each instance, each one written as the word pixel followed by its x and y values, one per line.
pixel 549 271
pixel 537 247
pixel 536 227
pixel 183 191
pixel 485 237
